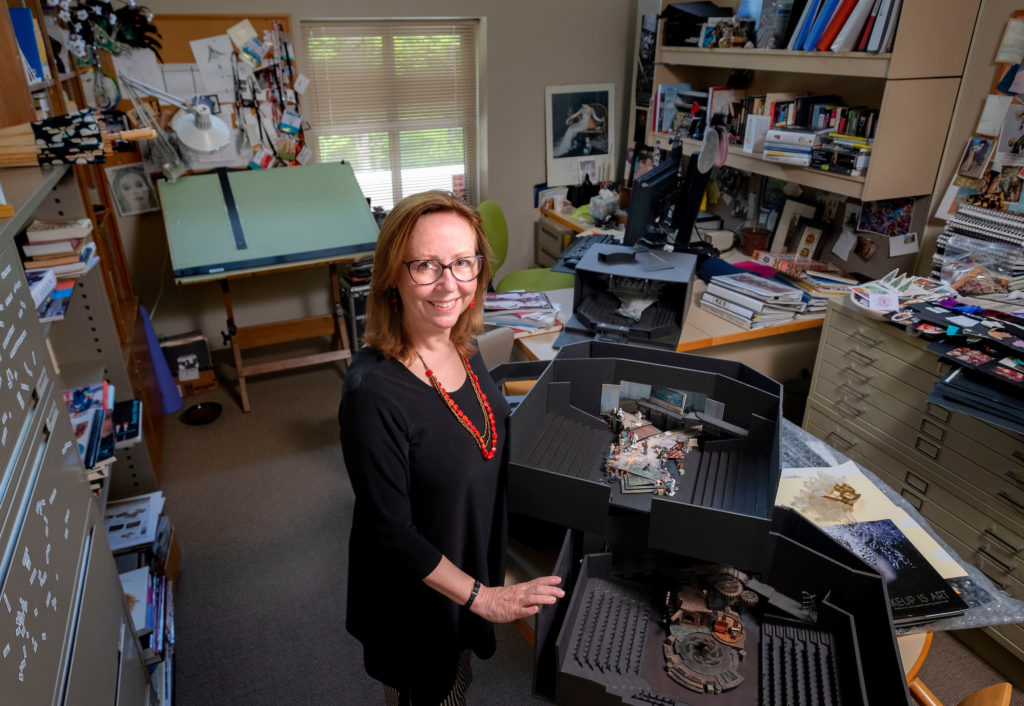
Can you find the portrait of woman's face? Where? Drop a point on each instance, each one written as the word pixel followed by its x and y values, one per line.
pixel 132 190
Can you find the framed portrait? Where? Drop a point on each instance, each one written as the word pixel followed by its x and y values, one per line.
pixel 132 189
pixel 808 233
pixel 791 211
pixel 579 126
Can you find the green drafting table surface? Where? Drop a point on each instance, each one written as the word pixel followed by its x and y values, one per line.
pixel 223 225
pixel 226 221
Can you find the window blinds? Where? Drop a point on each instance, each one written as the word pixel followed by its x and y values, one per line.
pixel 397 99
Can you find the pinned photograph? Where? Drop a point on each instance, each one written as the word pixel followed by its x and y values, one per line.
pixel 579 126
pixel 132 189
pixel 865 248
pixel 975 157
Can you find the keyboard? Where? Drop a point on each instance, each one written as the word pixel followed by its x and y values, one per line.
pixel 574 253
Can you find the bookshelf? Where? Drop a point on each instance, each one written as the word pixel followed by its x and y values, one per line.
pixel 914 89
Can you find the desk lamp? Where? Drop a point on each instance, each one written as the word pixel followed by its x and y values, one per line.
pixel 195 126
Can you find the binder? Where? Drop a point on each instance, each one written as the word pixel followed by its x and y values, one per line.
pixel 835 24
pixel 851 31
pixel 803 27
pixel 884 12
pixel 828 10
pixel 865 35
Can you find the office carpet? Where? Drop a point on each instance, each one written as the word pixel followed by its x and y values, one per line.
pixel 261 504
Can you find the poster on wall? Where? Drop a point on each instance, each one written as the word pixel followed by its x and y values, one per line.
pixel 132 189
pixel 579 127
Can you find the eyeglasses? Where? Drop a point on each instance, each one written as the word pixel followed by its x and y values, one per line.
pixel 464 269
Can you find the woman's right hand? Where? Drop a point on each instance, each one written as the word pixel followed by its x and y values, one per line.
pixel 504 604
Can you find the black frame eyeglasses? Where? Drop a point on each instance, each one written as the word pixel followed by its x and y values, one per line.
pixel 429 271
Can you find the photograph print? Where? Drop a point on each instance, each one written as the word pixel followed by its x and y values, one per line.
pixel 579 126
pixel 132 189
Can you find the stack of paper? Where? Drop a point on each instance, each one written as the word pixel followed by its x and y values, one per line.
pixel 750 301
pixel 527 313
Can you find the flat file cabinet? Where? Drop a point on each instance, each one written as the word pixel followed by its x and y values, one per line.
pixel 65 633
pixel 868 399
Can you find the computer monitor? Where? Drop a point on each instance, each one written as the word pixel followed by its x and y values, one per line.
pixel 652 193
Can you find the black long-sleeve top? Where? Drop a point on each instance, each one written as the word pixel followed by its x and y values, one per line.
pixel 422 490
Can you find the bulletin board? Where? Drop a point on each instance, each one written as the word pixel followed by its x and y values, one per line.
pixel 176 31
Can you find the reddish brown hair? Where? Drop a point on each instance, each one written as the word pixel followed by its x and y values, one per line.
pixel 384 329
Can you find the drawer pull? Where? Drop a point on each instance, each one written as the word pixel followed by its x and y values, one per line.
pixel 849 409
pixel 928 449
pixel 861 336
pixel 1010 549
pixel 917 502
pixel 865 359
pixel 1019 456
pixel 995 582
pixel 916 482
pixel 834 435
pixel 860 377
pixel 1005 568
pixel 1015 478
pixel 936 412
pixel 932 429
pixel 845 387
pixel 1005 496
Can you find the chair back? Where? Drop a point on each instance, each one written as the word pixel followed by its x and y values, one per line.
pixel 535 279
pixel 496 230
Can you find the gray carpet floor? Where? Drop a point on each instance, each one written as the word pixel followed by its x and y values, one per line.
pixel 261 504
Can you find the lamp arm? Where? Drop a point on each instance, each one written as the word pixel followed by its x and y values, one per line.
pixel 157 93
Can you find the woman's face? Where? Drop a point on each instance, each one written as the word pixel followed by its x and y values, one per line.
pixel 135 192
pixel 432 308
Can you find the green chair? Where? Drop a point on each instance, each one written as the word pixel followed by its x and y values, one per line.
pixel 536 279
pixel 496 230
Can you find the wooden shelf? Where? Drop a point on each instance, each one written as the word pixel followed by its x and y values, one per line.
pixel 852 186
pixel 25 188
pixel 780 60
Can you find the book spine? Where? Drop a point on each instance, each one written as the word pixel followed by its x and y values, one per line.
pixel 735 297
pixel 842 13
pixel 730 306
pixel 795 160
pixel 792 137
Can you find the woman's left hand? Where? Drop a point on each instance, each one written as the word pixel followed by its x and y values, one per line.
pixel 503 604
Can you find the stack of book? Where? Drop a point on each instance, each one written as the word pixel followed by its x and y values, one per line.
pixel 819 280
pixel 526 313
pixel 91 408
pixel 791 145
pixel 751 301
pixel 54 253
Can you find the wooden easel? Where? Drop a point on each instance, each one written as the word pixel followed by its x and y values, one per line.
pixel 267 334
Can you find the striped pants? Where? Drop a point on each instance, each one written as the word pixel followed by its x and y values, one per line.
pixel 455 697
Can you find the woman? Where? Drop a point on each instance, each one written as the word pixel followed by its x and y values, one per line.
pixel 423 430
pixel 133 191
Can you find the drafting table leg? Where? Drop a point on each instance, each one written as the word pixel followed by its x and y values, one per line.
pixel 340 339
pixel 236 349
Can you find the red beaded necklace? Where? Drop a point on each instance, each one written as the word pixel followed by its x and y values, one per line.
pixel 488 441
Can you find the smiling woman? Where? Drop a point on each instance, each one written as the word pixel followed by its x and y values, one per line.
pixel 423 431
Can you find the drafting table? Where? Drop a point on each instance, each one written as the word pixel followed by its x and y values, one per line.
pixel 225 225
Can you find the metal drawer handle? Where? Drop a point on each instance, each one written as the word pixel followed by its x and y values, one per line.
pixel 995 582
pixel 1018 455
pixel 1010 549
pixel 930 450
pixel 935 411
pixel 1005 568
pixel 852 411
pixel 844 442
pixel 859 376
pixel 867 360
pixel 856 393
pixel 1005 496
pixel 860 335
pixel 932 429
pixel 916 482
pixel 1015 478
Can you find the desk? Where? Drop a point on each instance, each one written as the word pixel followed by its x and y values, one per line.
pixel 779 352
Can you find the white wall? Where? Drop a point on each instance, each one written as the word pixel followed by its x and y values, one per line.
pixel 529 44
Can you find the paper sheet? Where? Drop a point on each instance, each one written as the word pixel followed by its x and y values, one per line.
pixel 903 244
pixel 1011 49
pixel 213 59
pixel 844 244
pixel 992 115
pixel 140 64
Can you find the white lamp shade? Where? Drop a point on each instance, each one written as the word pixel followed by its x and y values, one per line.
pixel 201 131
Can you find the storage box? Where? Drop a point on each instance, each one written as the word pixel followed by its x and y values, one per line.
pixel 206 382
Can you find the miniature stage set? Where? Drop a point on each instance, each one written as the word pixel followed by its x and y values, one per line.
pixel 704 591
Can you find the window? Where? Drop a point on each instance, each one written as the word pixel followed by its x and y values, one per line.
pixel 398 100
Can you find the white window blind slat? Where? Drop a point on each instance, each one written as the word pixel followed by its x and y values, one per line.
pixel 398 100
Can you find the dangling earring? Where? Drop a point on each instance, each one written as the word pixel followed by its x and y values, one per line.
pixel 394 299
pixel 473 302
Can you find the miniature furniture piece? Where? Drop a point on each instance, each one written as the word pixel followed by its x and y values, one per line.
pixel 67 636
pixel 229 225
pixel 868 399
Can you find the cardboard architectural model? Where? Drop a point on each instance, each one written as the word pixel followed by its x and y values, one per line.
pixel 709 593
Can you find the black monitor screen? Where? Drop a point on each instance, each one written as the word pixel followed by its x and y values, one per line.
pixel 651 195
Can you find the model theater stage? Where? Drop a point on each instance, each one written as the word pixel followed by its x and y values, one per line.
pixel 703 592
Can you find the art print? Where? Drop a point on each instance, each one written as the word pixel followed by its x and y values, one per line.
pixel 579 126
pixel 791 211
pixel 213 59
pixel 809 234
pixel 1014 376
pixel 132 189
pixel 975 157
pixel 887 217
pixel 969 356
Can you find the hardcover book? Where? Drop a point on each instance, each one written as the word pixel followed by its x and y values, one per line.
pixel 917 593
pixel 47 231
